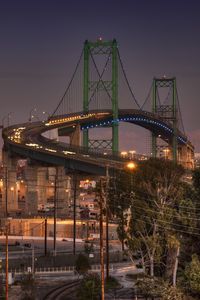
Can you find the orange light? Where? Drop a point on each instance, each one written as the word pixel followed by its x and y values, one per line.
pixel 131 165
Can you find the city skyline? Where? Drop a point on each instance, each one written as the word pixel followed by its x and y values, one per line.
pixel 41 43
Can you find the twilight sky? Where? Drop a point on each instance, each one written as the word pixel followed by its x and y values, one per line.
pixel 41 42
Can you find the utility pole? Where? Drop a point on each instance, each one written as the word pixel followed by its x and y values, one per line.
pixel 6 260
pixel 74 215
pixel 107 224
pixel 45 237
pixel 6 190
pixel 6 227
pixel 33 260
pixel 55 211
pixel 101 242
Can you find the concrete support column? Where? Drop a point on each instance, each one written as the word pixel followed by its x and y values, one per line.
pixel 31 197
pixel 9 183
pixel 62 192
pixel 75 137
pixel 42 182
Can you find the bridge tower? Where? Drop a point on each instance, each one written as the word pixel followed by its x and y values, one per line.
pixel 166 111
pixel 92 49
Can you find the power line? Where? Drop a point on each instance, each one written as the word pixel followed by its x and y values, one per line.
pixel 171 223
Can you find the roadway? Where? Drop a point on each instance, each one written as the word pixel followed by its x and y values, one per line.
pixel 19 246
pixel 27 139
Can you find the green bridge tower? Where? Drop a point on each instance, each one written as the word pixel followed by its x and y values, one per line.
pixel 167 112
pixel 92 49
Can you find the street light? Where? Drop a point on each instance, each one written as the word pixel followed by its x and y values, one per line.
pixel 131 165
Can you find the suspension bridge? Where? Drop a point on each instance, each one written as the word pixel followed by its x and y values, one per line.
pixel 99 94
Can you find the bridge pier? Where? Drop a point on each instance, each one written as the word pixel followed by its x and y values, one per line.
pixel 186 156
pixel 31 187
pixel 9 183
pixel 75 136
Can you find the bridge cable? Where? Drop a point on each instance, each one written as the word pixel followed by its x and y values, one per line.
pixel 67 89
pixel 179 110
pixel 147 97
pixel 127 80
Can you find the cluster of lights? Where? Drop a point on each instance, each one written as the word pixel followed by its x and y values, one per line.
pixel 68 152
pixel 16 134
pixel 137 119
pixel 50 150
pixel 75 118
pixel 69 119
pixel 34 145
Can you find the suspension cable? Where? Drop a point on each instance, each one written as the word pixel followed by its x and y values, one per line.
pixel 67 89
pixel 127 80
pixel 148 96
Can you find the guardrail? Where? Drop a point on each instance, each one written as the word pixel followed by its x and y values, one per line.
pixel 46 270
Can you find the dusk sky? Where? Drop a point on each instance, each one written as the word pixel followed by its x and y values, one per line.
pixel 41 42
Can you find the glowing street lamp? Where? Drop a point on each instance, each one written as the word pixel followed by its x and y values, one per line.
pixel 131 165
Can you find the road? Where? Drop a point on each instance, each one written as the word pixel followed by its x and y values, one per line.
pixel 19 246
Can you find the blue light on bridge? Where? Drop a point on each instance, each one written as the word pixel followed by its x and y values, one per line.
pixel 136 119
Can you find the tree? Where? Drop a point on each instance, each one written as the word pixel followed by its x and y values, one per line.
pixel 196 180
pixel 157 189
pixel 172 293
pixel 28 287
pixel 119 201
pixel 82 264
pixel 90 287
pixel 192 273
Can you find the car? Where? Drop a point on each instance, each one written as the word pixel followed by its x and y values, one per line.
pixel 28 245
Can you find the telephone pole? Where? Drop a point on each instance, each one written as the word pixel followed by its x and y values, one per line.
pixel 6 227
pixel 101 242
pixel 6 260
pixel 107 224
pixel 74 215
pixel 45 236
pixel 55 212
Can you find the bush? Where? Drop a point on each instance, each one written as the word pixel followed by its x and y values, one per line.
pixel 90 287
pixel 82 264
pixel 28 287
pixel 111 283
